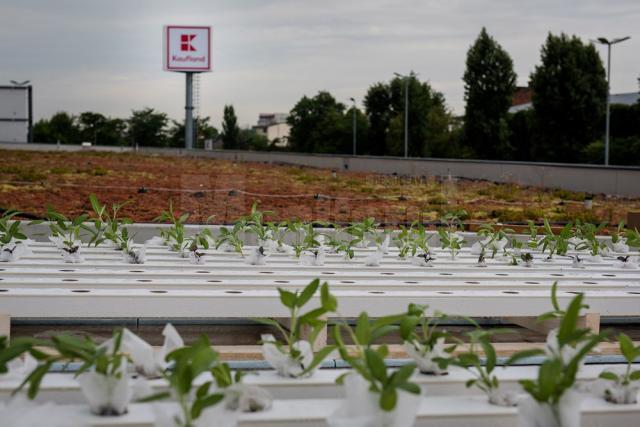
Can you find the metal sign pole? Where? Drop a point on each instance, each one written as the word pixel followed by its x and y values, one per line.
pixel 188 122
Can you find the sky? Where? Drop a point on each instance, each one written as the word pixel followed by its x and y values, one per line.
pixel 106 56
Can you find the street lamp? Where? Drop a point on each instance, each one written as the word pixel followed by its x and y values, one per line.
pixel 24 83
pixel 406 113
pixel 608 43
pixel 354 125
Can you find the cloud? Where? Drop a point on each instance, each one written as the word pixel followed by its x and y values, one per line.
pixel 106 56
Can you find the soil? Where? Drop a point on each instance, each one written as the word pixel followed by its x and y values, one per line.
pixel 220 191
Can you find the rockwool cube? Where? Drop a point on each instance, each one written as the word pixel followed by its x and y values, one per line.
pixel 187 48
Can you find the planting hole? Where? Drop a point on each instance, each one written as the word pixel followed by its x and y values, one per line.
pixel 136 271
pixel 388 274
pixel 202 271
pixel 7 290
pixel 556 274
pixel 266 272
pixel 473 283
pixel 80 291
pixel 532 283
pixel 67 271
pixel 575 293
pixel 214 281
pixel 510 292
pixel 590 283
pixel 347 281
pixel 445 274
pixel 158 292
pixel 376 292
pixel 411 283
pixel 69 280
pixel 502 274
pixel 445 292
pixel 143 280
pixel 232 292
pixel 281 281
pixel 609 275
pixel 327 272
pixel 630 292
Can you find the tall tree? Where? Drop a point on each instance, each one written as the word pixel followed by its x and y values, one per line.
pixel 101 130
pixel 569 93
pixel 146 127
pixel 377 103
pixel 428 117
pixel 61 127
pixel 489 83
pixel 320 125
pixel 202 129
pixel 230 129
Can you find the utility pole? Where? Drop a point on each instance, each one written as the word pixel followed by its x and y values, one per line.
pixel 608 43
pixel 188 121
pixel 406 113
pixel 354 126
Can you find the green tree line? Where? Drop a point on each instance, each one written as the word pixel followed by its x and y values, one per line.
pixel 565 123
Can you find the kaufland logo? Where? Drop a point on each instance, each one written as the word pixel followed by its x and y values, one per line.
pixel 186 45
pixel 185 42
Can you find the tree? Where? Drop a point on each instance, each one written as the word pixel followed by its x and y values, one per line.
pixel 230 129
pixel 489 83
pixel 428 117
pixel 60 127
pixel 320 125
pixel 377 103
pixel 569 93
pixel 101 130
pixel 202 129
pixel 146 127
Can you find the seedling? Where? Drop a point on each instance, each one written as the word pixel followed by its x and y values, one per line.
pixel 11 237
pixel 361 230
pixel 230 237
pixel 294 301
pixel 566 347
pixel 368 361
pixel 199 240
pixel 254 223
pixel 484 377
pixel 527 258
pixel 188 363
pixel 625 386
pixel 424 341
pixel 492 237
pixel 106 225
pixel 305 236
pixel 174 236
pixel 589 233
pixel 451 241
pixel 555 244
pixel 617 236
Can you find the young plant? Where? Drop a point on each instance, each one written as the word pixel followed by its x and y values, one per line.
pixel 555 243
pixel 484 376
pixel 199 240
pixel 305 236
pixel 494 239
pixel 131 254
pixel 423 340
pixel 230 237
pixel 106 224
pixel 617 236
pixel 102 374
pixel 589 232
pixel 11 236
pixel 451 241
pixel 295 357
pixel 361 230
pixel 551 391
pixel 174 236
pixel 368 361
pixel 403 241
pixel 624 386
pixel 254 224
pixel 189 363
pixel 419 240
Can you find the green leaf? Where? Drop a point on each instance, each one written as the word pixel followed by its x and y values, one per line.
pixel 570 319
pixel 200 404
pixel 388 399
pixel 376 365
pixel 524 354
pixel 627 348
pixel 318 358
pixel 287 298
pixel 608 375
pixel 363 329
pixel 328 301
pixel 489 353
pixel 154 397
pixel 308 292
pixel 634 376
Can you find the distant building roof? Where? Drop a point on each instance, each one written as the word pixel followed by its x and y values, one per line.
pixel 522 95
pixel 616 98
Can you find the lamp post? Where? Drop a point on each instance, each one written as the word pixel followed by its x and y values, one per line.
pixel 608 43
pixel 354 125
pixel 406 113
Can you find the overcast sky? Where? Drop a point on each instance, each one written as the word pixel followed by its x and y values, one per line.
pixel 106 56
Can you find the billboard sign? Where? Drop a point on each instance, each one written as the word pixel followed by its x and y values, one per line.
pixel 187 48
